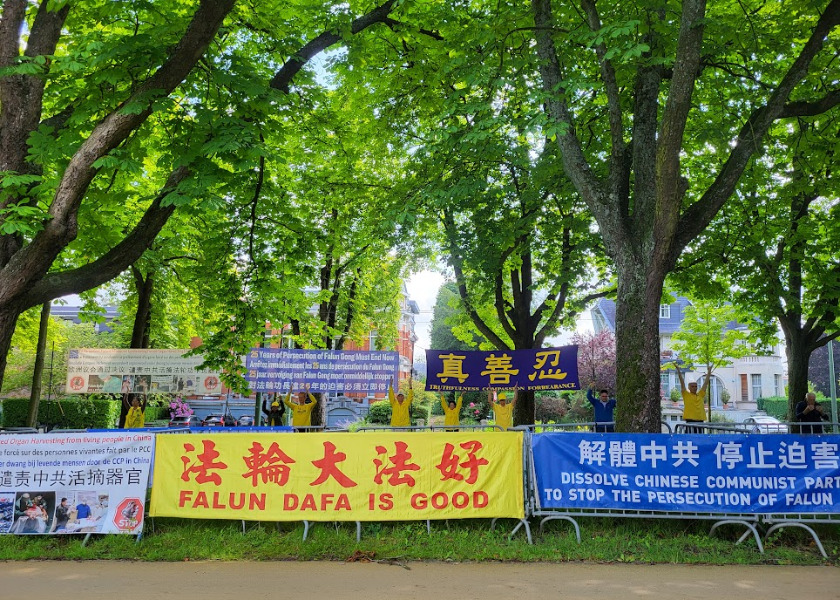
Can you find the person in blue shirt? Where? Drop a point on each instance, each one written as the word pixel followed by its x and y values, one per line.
pixel 82 510
pixel 604 408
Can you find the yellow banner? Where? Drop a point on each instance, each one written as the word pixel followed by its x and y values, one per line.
pixel 389 476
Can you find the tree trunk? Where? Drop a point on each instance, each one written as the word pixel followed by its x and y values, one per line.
pixel 798 357
pixel 319 413
pixel 524 410
pixel 8 322
pixel 35 395
pixel 637 333
pixel 143 317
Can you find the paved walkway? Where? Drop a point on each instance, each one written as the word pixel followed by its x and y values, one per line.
pixel 109 580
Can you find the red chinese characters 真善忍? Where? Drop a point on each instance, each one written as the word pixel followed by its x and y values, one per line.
pixel 329 468
pixel 272 466
pixel 203 464
pixel 399 463
pixel 449 463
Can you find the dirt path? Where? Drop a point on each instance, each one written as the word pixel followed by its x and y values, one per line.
pixel 108 580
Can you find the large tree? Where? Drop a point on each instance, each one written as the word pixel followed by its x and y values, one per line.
pixel 56 132
pixel 685 97
pixel 98 99
pixel 518 241
pixel 776 249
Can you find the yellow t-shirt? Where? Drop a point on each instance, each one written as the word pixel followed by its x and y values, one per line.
pixel 135 418
pixel 452 415
pixel 301 413
pixel 400 413
pixel 503 414
pixel 693 404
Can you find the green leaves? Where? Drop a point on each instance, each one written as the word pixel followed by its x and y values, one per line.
pixel 21 219
pixel 710 336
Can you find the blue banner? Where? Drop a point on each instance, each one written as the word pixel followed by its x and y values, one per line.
pixel 537 369
pixel 348 371
pixel 696 473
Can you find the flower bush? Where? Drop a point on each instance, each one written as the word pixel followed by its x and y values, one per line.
pixel 179 408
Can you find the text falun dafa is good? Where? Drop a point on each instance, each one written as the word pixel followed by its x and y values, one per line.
pixel 382 476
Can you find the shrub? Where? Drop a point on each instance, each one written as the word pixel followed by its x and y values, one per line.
pixel 775 406
pixel 719 418
pixel 580 410
pixel 550 407
pixel 675 394
pixel 420 410
pixel 380 413
pixel 69 412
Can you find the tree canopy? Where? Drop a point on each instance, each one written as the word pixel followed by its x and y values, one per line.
pixel 268 159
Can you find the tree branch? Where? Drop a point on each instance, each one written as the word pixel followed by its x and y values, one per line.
pixel 457 265
pixel 574 162
pixel 674 117
pixel 29 263
pixel 287 72
pixel 697 217
pixel 618 152
pixel 391 23
pixel 116 260
pixel 803 108
pixel 552 320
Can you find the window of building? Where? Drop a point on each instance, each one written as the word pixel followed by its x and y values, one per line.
pixel 665 383
pixel 756 386
pixel 777 381
pixel 373 339
pixel 664 311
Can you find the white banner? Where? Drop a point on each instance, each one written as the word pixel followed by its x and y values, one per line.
pixel 94 370
pixel 74 482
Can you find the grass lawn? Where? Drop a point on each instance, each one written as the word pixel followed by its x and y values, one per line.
pixel 603 540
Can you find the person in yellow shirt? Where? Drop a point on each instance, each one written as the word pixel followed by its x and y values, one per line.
pixel 274 415
pixel 502 409
pixel 135 418
pixel 694 401
pixel 301 410
pixel 451 411
pixel 400 408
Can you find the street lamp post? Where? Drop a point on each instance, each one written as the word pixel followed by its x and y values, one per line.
pixel 833 386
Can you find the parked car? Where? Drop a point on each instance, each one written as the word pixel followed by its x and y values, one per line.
pixel 246 421
pixel 190 421
pixel 764 424
pixel 217 420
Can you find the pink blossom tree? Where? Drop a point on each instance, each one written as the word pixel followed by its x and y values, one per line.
pixel 596 359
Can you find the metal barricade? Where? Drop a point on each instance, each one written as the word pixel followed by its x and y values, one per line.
pixel 381 428
pixel 534 509
pixel 782 427
pixel 803 521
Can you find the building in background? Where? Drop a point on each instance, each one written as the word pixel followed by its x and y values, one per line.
pixel 406 336
pixel 74 314
pixel 741 383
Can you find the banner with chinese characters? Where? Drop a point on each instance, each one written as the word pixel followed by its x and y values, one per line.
pixel 74 482
pixel 275 369
pixel 94 370
pixel 538 369
pixel 389 476
pixel 697 473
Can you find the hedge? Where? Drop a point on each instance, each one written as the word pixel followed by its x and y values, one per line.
pixel 775 406
pixel 380 413
pixel 70 412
